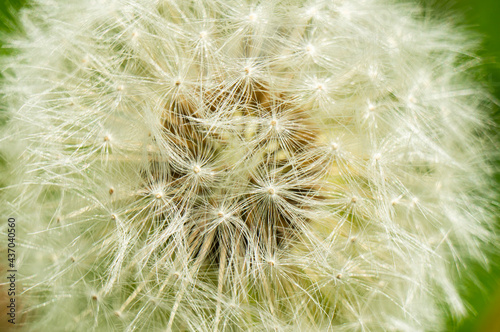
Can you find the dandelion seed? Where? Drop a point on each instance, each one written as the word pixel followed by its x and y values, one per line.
pixel 252 17
pixel 271 191
pixel 310 49
pixel 203 34
pixel 371 107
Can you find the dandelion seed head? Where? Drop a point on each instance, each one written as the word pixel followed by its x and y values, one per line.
pixel 226 166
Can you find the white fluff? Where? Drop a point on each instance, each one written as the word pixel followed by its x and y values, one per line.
pixel 220 165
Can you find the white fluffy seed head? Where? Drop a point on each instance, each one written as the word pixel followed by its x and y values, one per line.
pixel 225 166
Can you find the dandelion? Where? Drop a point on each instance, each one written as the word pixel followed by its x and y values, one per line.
pixel 243 166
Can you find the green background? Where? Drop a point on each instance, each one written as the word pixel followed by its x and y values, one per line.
pixel 483 17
